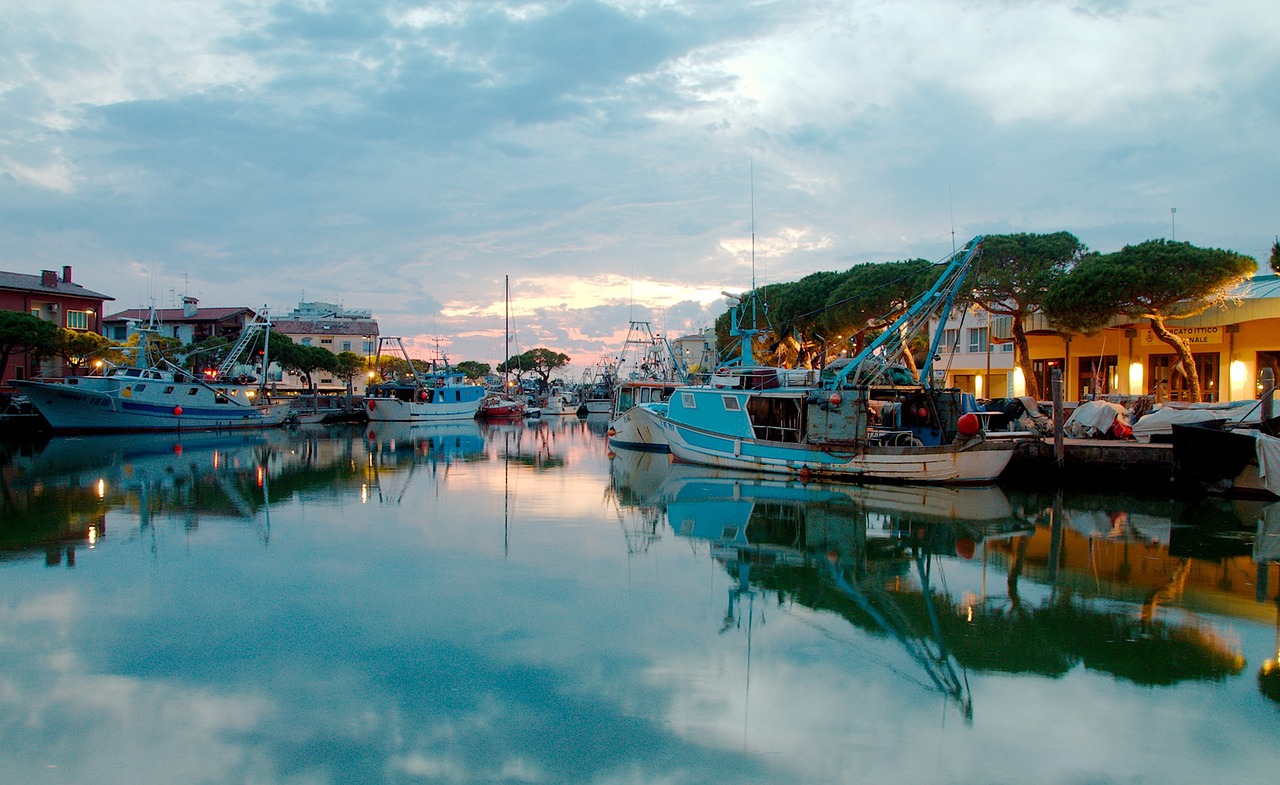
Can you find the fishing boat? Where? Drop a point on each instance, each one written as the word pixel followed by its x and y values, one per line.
pixel 154 394
pixel 598 383
pixel 648 371
pixel 439 395
pixel 496 406
pixel 862 419
pixel 560 402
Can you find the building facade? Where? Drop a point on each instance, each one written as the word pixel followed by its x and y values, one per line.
pixel 1231 346
pixel 189 324
pixel 53 298
pixel 328 326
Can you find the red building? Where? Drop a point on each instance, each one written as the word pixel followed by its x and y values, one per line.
pixel 53 298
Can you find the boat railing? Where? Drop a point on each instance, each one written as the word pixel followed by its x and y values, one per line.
pixel 777 433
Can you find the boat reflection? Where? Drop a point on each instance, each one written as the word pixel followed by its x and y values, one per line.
pixel 404 442
pixel 59 494
pixel 872 555
pixel 867 553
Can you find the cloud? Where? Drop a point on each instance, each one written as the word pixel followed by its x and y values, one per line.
pixel 406 158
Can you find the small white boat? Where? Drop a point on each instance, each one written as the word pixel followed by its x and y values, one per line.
pixel 440 395
pixel 649 371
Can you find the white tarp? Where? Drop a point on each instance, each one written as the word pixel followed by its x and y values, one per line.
pixel 1269 462
pixel 1093 419
pixel 1159 421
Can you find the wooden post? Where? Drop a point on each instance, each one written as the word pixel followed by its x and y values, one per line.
pixel 1268 393
pixel 1058 419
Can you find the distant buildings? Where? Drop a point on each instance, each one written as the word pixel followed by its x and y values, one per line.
pixel 328 326
pixel 189 324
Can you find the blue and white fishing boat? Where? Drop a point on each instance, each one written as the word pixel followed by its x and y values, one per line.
pixel 439 395
pixel 862 419
pixel 154 394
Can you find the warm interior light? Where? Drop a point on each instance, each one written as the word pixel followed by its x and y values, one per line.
pixel 977 386
pixel 1135 378
pixel 1019 383
pixel 1238 375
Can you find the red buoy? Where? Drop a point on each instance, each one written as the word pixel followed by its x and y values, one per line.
pixel 968 424
pixel 372 405
pixel 834 400
pixel 177 411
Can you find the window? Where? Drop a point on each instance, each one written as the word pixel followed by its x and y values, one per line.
pixel 688 401
pixel 77 320
pixel 326 342
pixel 306 341
pixel 951 340
pixel 346 346
pixel 977 339
pixel 731 403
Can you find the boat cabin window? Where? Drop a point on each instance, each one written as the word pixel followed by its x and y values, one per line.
pixel 139 387
pixel 193 391
pixel 168 390
pixel 731 403
pixel 688 401
pixel 776 419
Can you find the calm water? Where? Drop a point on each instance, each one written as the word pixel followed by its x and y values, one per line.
pixel 466 604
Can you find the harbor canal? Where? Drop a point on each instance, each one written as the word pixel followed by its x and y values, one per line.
pixel 516 603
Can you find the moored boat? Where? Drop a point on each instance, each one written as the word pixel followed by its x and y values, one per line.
pixel 156 395
pixel 865 419
pixel 500 407
pixel 439 395
pixel 649 371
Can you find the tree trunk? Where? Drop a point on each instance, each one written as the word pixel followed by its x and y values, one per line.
pixel 1023 352
pixel 1181 349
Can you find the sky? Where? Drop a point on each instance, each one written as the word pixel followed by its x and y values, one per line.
pixel 609 161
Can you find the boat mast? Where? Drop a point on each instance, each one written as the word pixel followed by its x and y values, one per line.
pixel 506 334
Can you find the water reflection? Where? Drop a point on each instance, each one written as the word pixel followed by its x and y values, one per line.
pixel 457 604
pixel 1169 563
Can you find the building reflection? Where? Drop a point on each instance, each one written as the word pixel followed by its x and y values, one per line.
pixel 58 496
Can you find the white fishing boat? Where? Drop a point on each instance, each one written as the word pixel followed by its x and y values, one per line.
pixel 865 419
pixel 439 395
pixel 154 394
pixel 648 372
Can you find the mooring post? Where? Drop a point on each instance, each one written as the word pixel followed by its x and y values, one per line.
pixel 1268 394
pixel 1058 419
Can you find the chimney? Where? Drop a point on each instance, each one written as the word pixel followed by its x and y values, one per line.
pixel 48 278
pixel 66 273
pixel 189 307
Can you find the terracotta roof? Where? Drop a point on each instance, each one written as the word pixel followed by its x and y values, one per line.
pixel 172 315
pixel 31 283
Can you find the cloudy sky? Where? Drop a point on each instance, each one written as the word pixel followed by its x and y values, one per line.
pixel 611 158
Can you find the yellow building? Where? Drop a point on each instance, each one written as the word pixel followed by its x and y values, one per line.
pixel 1231 345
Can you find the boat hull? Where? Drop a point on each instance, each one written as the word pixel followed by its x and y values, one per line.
pixel 173 406
pixel 971 463
pixel 397 410
pixel 637 429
